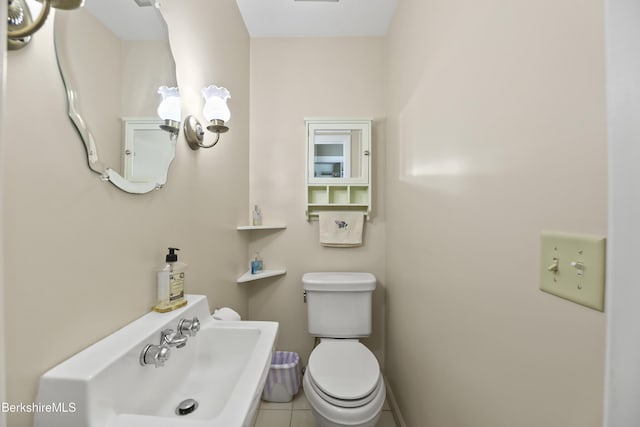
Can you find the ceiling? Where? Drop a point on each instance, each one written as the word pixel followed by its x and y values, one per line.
pixel 127 20
pixel 263 18
pixel 316 18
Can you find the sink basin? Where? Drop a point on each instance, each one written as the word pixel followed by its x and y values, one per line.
pixel 223 368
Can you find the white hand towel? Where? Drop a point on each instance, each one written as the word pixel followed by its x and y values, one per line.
pixel 341 229
pixel 225 313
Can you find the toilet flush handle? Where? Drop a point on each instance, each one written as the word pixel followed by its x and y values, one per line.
pixel 304 296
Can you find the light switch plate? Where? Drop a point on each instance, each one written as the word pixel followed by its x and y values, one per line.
pixel 572 266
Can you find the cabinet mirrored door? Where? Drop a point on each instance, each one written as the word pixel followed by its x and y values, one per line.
pixel 338 152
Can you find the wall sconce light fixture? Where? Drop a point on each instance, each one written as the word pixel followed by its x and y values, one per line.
pixel 215 111
pixel 169 110
pixel 20 24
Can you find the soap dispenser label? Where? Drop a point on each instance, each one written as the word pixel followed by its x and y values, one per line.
pixel 176 284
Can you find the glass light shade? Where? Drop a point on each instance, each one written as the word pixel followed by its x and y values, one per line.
pixel 169 108
pixel 215 106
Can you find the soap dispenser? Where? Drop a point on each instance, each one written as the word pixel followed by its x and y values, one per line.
pixel 257 216
pixel 256 264
pixel 171 283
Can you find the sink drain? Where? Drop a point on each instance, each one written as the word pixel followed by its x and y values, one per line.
pixel 186 407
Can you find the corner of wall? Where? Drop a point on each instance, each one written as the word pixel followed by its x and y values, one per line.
pixel 622 372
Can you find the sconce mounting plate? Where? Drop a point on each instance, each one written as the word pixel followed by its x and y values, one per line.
pixel 193 132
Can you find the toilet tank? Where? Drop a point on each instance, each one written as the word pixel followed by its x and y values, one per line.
pixel 339 303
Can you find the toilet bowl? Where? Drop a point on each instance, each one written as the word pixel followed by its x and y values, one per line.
pixel 343 384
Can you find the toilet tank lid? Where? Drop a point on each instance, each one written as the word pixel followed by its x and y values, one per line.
pixel 345 281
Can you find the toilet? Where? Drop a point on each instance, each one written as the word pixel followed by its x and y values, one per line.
pixel 342 381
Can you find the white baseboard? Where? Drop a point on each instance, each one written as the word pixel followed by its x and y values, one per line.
pixel 394 406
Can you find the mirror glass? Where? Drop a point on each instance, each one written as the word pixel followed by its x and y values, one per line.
pixel 113 56
pixel 337 153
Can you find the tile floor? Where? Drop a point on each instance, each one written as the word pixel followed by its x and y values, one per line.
pixel 298 414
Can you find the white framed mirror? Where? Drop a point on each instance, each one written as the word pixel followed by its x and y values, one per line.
pixel 338 151
pixel 113 56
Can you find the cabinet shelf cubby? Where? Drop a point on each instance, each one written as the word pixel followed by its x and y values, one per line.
pixel 341 197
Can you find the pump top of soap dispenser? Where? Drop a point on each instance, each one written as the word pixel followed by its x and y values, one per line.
pixel 172 256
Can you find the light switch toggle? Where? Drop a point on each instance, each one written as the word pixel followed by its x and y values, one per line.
pixel 579 268
pixel 553 267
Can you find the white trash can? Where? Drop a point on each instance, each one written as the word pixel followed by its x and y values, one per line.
pixel 283 380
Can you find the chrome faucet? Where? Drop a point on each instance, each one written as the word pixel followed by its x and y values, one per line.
pixel 170 338
pixel 158 354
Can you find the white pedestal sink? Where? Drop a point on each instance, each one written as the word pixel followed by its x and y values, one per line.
pixel 223 368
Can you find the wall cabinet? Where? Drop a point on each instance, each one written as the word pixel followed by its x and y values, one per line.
pixel 148 150
pixel 338 165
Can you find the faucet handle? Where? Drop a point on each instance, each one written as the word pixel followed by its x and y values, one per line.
pixel 154 355
pixel 189 327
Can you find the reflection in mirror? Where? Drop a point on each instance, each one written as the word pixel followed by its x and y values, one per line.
pixel 26 17
pixel 337 153
pixel 113 56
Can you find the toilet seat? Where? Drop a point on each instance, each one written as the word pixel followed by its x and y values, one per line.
pixel 329 415
pixel 344 373
pixel 346 403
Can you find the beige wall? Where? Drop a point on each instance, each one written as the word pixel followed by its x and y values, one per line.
pixel 495 132
pixel 3 58
pixel 82 254
pixel 292 79
pixel 96 56
pixel 147 65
